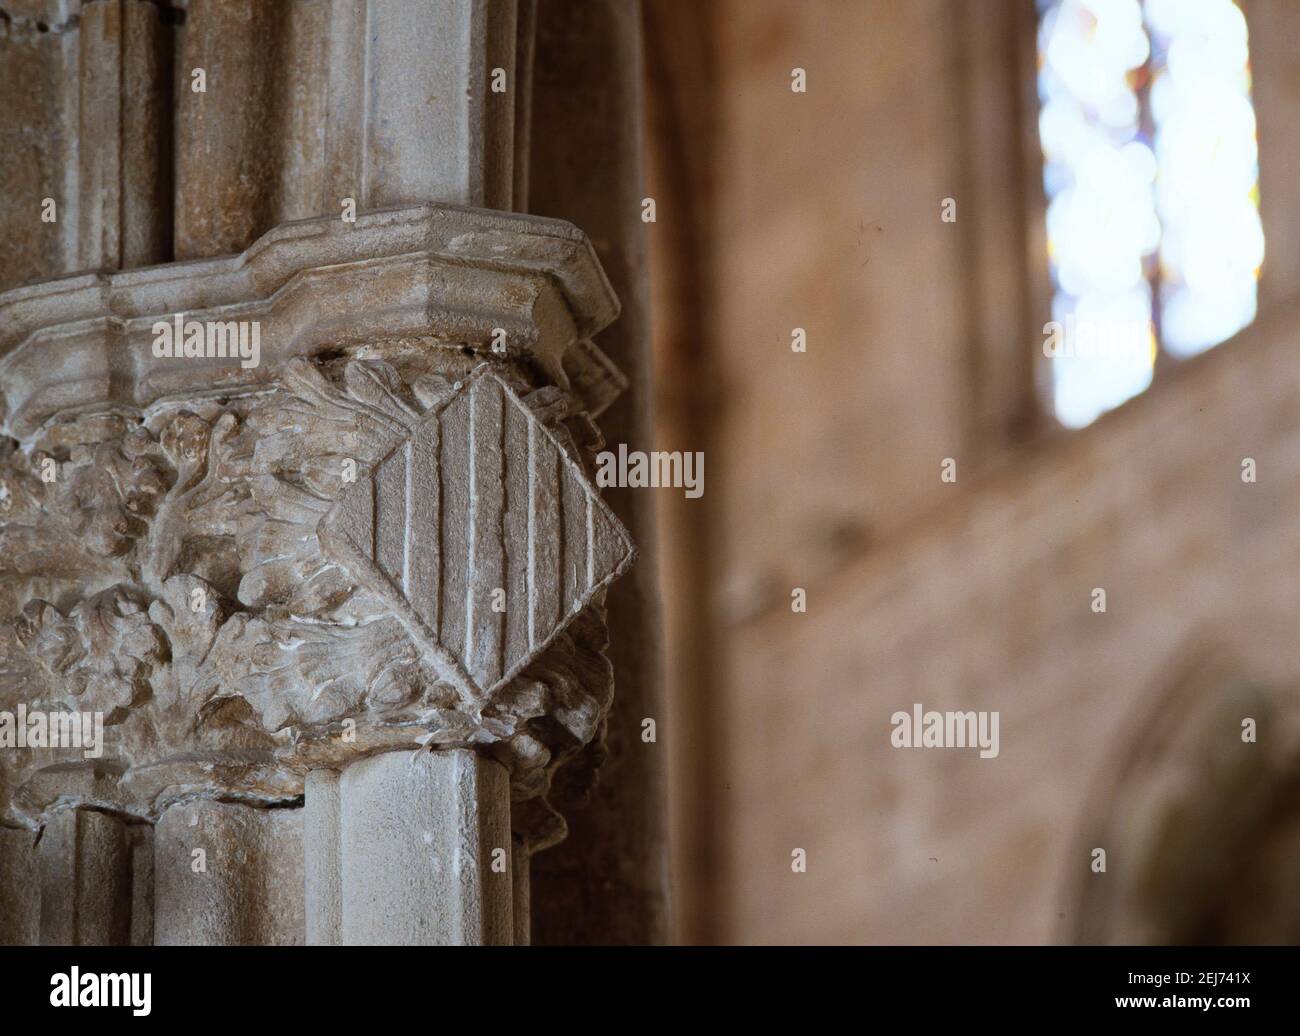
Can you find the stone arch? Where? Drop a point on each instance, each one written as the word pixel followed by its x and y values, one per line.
pixel 1201 829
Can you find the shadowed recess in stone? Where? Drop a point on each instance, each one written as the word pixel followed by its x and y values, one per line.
pixel 481 533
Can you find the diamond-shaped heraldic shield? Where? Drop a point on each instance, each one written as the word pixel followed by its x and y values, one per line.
pixel 480 533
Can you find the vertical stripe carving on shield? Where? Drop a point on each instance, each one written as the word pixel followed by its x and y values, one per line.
pixel 481 533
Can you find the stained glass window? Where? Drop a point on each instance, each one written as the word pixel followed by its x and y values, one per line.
pixel 1151 173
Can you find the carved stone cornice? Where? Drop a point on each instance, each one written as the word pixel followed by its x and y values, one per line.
pixel 432 273
pixel 173 574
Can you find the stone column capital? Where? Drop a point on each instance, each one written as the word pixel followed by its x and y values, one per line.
pixel 329 497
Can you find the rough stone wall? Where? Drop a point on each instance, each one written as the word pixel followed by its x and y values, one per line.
pixel 842 262
pixel 817 211
pixel 824 474
pixel 986 605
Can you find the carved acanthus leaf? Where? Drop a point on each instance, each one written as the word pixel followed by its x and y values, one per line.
pixel 225 624
pixel 102 653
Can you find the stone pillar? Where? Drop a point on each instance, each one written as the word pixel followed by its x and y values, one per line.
pixel 521 864
pixel 305 105
pixel 322 858
pixel 20 890
pixel 411 848
pixel 413 115
pixel 608 882
pixel 123 152
pixel 424 845
pixel 286 519
pixel 85 874
pixel 85 117
pixel 381 540
pixel 228 875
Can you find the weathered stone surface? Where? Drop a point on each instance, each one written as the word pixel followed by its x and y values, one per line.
pixel 227 652
pixel 228 875
pixel 322 858
pixel 124 174
pixel 521 864
pixel 392 62
pixel 20 889
pixel 38 130
pixel 317 101
pixel 425 848
pixel 430 274
pixel 93 138
pixel 262 66
pixel 141 844
pixel 85 867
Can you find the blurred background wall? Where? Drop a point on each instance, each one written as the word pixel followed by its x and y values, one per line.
pixel 824 210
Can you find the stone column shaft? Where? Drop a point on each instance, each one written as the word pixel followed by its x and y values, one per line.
pixel 424 851
pixel 322 858
pixel 228 875
pixel 124 179
pixel 85 116
pixel 20 889
pixel 306 104
pixel 85 861
pixel 412 114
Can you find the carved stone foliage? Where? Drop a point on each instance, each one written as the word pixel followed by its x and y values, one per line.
pixel 162 562
pixel 166 569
